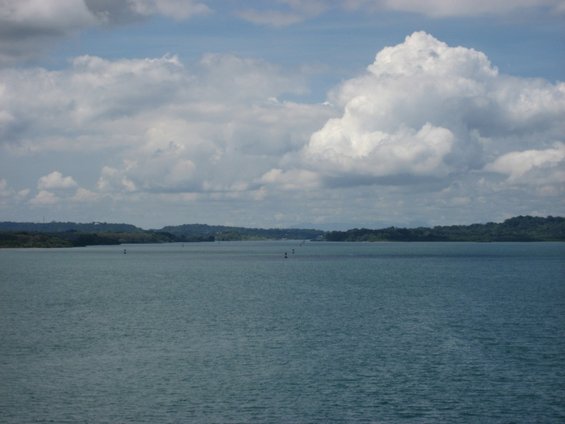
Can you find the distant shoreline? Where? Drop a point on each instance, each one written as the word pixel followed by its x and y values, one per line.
pixel 70 234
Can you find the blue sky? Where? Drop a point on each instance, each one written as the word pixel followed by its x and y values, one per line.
pixel 320 113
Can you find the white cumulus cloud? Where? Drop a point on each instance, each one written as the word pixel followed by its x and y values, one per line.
pixel 293 179
pixel 56 181
pixel 44 198
pixel 10 196
pixel 427 109
pixel 519 166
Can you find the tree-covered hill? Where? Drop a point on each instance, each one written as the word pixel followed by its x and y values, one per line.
pixel 69 234
pixel 521 228
pixel 60 227
pixel 72 234
pixel 191 232
pixel 77 238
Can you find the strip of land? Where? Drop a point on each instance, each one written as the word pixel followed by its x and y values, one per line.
pixel 70 234
pixel 521 228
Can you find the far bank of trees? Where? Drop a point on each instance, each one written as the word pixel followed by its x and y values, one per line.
pixel 69 234
pixel 521 228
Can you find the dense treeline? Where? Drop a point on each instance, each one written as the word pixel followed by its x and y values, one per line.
pixel 24 239
pixel 189 232
pixel 72 234
pixel 77 239
pixel 69 234
pixel 521 228
pixel 60 227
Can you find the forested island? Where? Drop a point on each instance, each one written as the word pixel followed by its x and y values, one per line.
pixel 70 234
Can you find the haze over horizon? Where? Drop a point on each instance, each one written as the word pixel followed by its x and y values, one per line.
pixel 329 114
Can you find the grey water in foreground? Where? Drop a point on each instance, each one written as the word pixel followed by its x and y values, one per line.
pixel 234 333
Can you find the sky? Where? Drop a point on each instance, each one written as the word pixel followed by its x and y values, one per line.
pixel 328 114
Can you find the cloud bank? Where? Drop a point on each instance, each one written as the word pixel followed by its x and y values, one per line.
pixel 159 126
pixel 427 124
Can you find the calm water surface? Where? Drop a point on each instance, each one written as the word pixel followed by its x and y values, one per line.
pixel 235 333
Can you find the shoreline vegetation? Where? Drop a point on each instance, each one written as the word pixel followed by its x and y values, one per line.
pixel 70 234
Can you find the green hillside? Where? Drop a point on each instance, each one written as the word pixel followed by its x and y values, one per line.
pixel 521 228
pixel 198 232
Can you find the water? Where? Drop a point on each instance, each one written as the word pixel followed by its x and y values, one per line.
pixel 235 333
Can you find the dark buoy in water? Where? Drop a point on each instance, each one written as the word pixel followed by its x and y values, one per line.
pixel 285 255
pixel 125 251
pixel 293 251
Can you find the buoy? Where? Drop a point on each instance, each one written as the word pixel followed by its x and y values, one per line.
pixel 125 251
pixel 285 255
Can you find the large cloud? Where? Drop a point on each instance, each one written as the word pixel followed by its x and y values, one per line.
pixel 425 109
